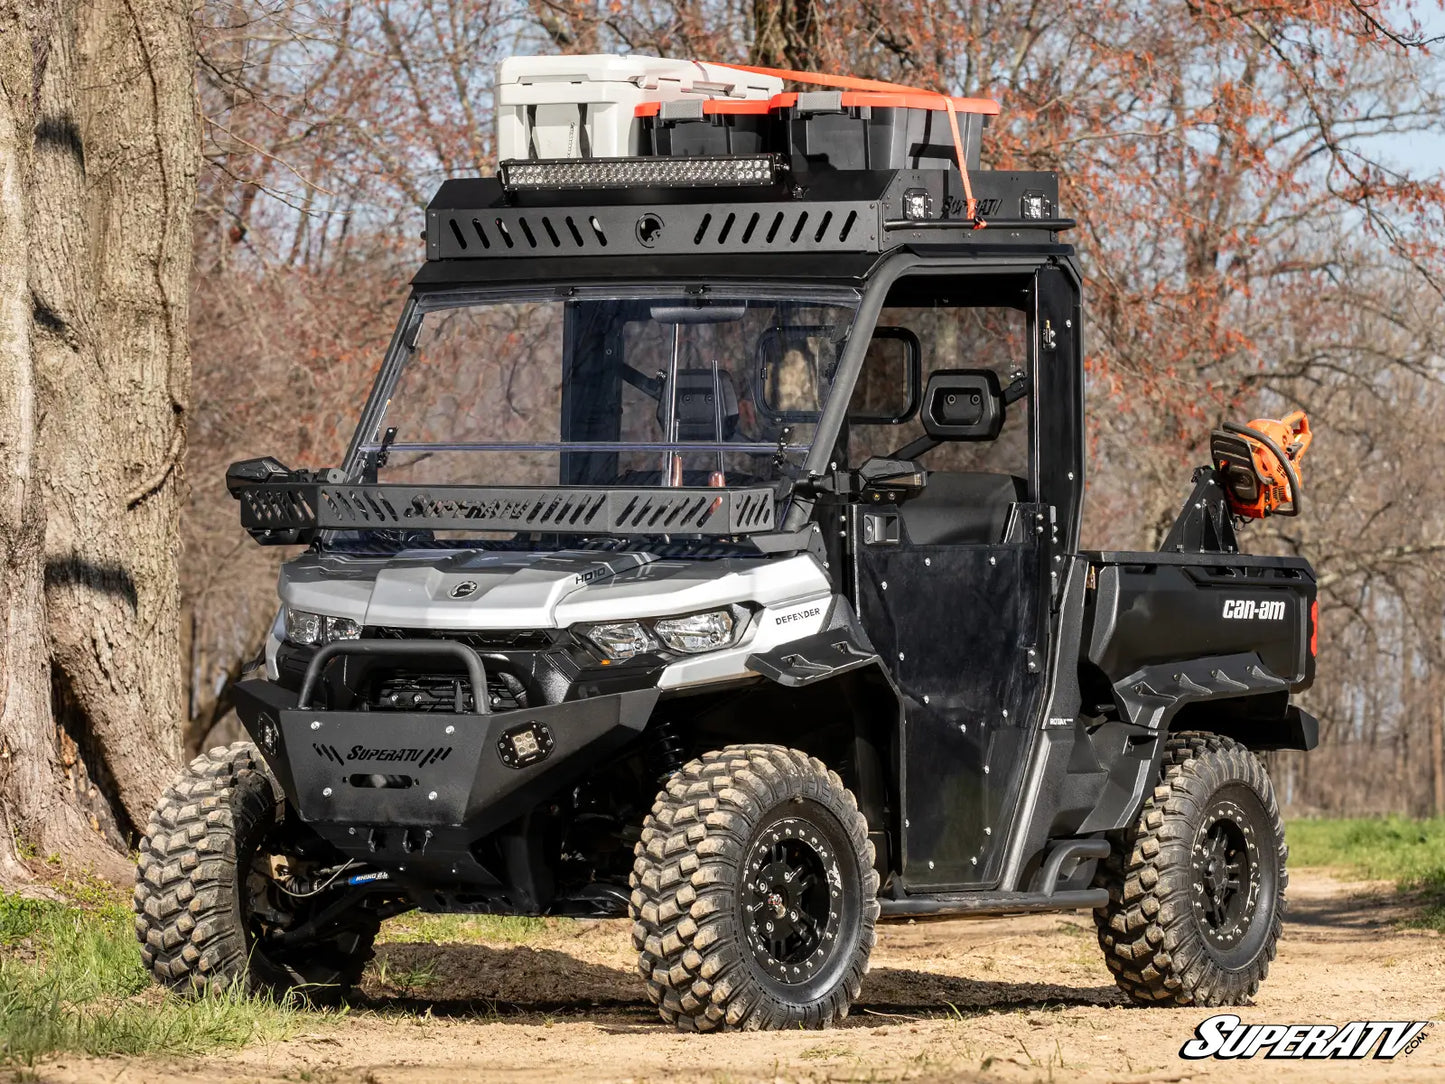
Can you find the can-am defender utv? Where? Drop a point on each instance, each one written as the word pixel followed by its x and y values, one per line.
pixel 707 553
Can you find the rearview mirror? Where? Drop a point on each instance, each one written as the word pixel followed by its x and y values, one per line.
pixel 889 387
pixel 963 405
pixel 697 313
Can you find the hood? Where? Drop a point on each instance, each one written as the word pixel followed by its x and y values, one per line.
pixel 469 589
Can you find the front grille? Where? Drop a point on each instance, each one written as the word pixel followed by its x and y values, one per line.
pixel 488 640
pixel 505 656
pixel 402 691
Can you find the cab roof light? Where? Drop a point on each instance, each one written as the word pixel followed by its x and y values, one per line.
pixel 593 173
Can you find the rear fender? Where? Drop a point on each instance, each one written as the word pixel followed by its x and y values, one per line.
pixel 1233 696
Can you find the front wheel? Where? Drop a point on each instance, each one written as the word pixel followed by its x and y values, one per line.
pixel 754 897
pixel 209 901
pixel 1196 887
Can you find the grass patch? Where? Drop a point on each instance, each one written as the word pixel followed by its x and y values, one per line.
pixel 418 928
pixel 71 980
pixel 408 980
pixel 1409 852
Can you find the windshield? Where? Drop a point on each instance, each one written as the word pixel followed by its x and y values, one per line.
pixel 626 387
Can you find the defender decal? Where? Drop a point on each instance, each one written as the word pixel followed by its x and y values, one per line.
pixel 1248 609
pixel 797 615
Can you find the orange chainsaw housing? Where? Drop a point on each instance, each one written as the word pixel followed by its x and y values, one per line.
pixel 1259 464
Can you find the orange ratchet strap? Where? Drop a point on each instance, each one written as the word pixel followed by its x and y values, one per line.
pixel 950 103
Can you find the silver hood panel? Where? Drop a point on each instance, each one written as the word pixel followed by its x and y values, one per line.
pixel 469 589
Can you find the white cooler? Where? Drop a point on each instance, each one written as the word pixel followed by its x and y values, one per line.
pixel 584 106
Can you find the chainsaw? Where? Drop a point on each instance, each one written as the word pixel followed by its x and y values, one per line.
pixel 1259 464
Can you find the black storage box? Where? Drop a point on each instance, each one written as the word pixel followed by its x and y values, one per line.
pixel 865 130
pixel 706 128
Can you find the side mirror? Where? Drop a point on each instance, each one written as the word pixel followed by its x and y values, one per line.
pixel 963 405
pixel 791 360
pixel 889 388
pixel 789 364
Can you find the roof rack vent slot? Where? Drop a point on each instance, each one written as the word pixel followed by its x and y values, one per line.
pixel 597 229
pixel 481 233
pixel 527 232
pixel 752 225
pixel 798 227
pixel 702 226
pixel 506 234
pixel 551 233
pixel 847 226
pixel 576 234
pixel 457 233
pixel 773 229
pixel 722 234
pixel 822 230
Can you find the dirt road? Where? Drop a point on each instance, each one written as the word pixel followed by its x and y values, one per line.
pixel 998 1000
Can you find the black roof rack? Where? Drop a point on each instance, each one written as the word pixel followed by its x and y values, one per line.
pixel 853 211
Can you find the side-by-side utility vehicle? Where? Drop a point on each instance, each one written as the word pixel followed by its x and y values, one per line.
pixel 707 553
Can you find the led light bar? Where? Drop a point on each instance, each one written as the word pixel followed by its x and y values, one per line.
pixel 562 173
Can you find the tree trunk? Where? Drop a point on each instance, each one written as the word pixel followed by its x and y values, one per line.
pixel 95 248
pixel 28 784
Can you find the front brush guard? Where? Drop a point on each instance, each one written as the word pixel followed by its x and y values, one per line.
pixel 476 672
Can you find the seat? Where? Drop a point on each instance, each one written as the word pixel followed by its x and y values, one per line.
pixel 961 508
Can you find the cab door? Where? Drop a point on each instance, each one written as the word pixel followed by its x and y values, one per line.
pixel 951 582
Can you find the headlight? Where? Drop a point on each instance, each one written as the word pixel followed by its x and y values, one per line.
pixel 342 628
pixel 619 640
pixel 696 632
pixel 304 627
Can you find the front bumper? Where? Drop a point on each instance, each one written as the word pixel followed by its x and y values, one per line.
pixel 432 769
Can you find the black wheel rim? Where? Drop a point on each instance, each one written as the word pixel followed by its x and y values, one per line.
pixel 1227 875
pixel 792 900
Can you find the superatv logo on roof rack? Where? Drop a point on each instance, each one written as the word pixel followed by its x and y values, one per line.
pixel 954 207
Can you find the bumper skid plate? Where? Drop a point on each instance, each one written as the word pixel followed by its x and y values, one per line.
pixel 432 768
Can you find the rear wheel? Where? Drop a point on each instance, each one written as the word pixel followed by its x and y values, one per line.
pixel 1197 886
pixel 211 890
pixel 753 893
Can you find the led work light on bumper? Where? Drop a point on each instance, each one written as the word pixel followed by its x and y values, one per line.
pixel 304 627
pixel 691 634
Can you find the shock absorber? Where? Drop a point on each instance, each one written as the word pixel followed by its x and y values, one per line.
pixel 667 752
